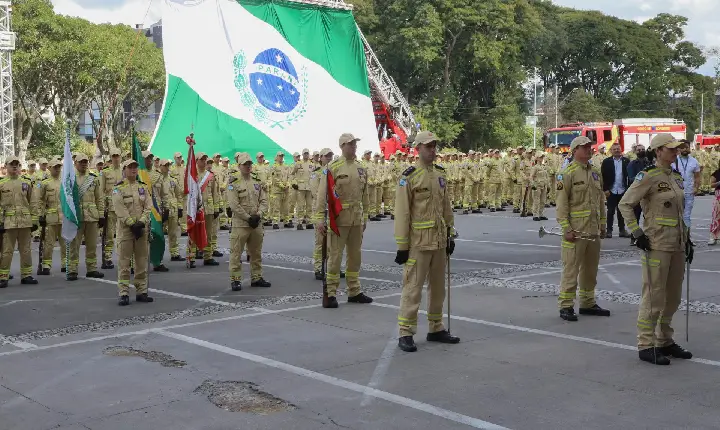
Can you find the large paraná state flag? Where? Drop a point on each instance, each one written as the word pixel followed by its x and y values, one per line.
pixel 269 76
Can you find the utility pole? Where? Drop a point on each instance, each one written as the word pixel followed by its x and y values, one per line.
pixel 535 108
pixel 7 46
pixel 702 112
pixel 556 105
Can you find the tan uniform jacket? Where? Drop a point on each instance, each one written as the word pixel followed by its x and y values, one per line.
pixel 92 200
pixel 169 190
pixel 109 177
pixel 661 195
pixel 540 175
pixel 423 211
pixel 209 193
pixel 301 174
pixel 580 199
pixel 46 201
pixel 351 187
pixel 494 171
pixel 246 197
pixel 132 202
pixel 15 196
pixel 315 178
pixel 279 178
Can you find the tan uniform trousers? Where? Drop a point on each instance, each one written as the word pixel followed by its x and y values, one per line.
pixel 22 237
pixel 240 237
pixel 89 232
pixel 518 191
pixel 539 200
pixel 379 195
pixel 278 207
pixel 580 258
pixel 422 265
pixel 388 198
pixel 529 198
pixel 137 250
pixel 303 199
pixel 494 197
pixel 111 222
pixel 183 221
pixel 53 236
pixel 350 237
pixel 470 195
pixel 507 190
pixel 451 192
pixel 173 232
pixel 215 230
pixel 209 228
pixel 553 189
pixel 317 251
pixel 374 202
pixel 291 203
pixel 660 298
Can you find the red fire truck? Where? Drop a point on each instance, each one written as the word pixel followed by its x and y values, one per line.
pixel 627 132
pixel 702 141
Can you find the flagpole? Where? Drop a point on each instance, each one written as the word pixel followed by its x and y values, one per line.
pixel 325 299
pixel 67 242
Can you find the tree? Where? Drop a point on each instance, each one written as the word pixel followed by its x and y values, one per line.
pixel 582 106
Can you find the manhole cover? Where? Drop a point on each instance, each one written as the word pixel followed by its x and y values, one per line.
pixel 239 396
pixel 165 360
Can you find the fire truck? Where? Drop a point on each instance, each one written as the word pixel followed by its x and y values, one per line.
pixel 628 132
pixel 702 141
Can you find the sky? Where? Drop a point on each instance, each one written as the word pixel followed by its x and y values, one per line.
pixel 702 14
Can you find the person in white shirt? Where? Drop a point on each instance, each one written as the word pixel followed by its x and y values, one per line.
pixel 689 168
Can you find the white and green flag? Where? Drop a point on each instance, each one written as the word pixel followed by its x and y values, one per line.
pixel 69 195
pixel 254 75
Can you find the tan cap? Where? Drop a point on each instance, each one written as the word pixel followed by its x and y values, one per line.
pixel 325 151
pixel 280 153
pixel 471 152
pixel 129 162
pixel 210 160
pixel 367 151
pixel 42 161
pixel 114 151
pixel 315 153
pixel 305 151
pixel 30 162
pixel 425 137
pixel 177 154
pixel 217 154
pixel 200 155
pixel 259 154
pixel 243 157
pixel 296 154
pixel 55 162
pixel 146 154
pixel 225 160
pixel 579 141
pixel 347 138
pixel 128 154
pixel 12 158
pixel 82 157
pixel 665 139
pixel 165 162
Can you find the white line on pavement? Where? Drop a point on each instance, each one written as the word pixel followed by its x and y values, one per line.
pixel 172 294
pixel 633 263
pixel 352 386
pixel 9 303
pixel 548 333
pixel 381 369
pixel 23 346
pixel 611 277
pixel 295 269
pixel 507 243
pixel 453 258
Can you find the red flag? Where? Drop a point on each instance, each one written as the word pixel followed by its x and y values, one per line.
pixel 333 202
pixel 195 211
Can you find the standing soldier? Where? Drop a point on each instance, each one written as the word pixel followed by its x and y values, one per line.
pixel 92 203
pixel 172 192
pixel 248 204
pixel 109 177
pixel 17 223
pixel 152 164
pixel 326 156
pixel 218 204
pixel 351 188
pixel 540 180
pixel 132 203
pixel 423 223
pixel 208 191
pixel 493 178
pixel 178 171
pixel 301 183
pixel 279 182
pixel 580 211
pixel 46 205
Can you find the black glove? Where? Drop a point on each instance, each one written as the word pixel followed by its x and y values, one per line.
pixel 2 228
pixel 137 229
pixel 254 221
pixel 217 215
pixel 295 187
pixel 229 212
pixel 533 188
pixel 101 223
pixel 450 247
pixel 43 221
pixel 166 215
pixel 34 227
pixel 689 251
pixel 643 242
pixel 514 181
pixel 402 257
pixel 179 213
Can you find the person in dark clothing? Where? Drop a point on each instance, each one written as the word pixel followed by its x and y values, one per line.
pixel 615 183
pixel 634 167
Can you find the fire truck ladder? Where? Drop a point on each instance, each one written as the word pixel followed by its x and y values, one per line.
pixel 382 86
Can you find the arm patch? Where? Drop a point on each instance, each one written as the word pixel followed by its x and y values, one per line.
pixel 408 171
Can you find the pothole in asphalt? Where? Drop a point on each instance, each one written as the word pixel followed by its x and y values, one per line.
pixel 240 396
pixel 165 360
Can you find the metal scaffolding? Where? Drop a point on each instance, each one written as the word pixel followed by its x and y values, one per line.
pixel 7 46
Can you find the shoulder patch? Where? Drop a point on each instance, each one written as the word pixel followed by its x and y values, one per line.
pixel 639 176
pixel 649 168
pixel 92 174
pixel 408 171
pixel 437 166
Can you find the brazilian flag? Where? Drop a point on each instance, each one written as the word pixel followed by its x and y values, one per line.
pixel 157 238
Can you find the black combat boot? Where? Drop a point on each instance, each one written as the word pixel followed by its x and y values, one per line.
pixel 236 286
pixel 654 356
pixel 144 298
pixel 407 344
pixel 210 262
pixel 318 276
pixel 596 311
pixel 332 303
pixel 276 227
pixel 360 298
pixel 4 283
pixel 107 265
pixel 44 272
pixel 124 300
pixel 161 268
pixel 217 254
pixel 72 276
pixel 28 280
pixel 260 283
pixel 568 314
pixel 95 274
pixel 176 258
pixel 442 336
pixel 300 227
pixel 676 351
pixel 536 218
pixel 309 226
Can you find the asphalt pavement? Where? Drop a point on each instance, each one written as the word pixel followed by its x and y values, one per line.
pixel 204 357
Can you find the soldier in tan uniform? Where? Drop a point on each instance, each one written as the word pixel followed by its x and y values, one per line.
pixel 664 240
pixel 423 232
pixel 172 192
pixel 217 208
pixel 132 203
pixel 351 187
pixel 540 179
pixel 92 203
pixel 301 171
pixel 16 223
pixel 279 177
pixel 249 204
pixel 325 157
pixel 178 172
pixel 518 189
pixel 46 205
pixel 209 192
pixel 109 177
pixel 493 173
pixel 580 209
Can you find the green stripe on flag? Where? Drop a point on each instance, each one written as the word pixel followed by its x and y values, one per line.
pixel 157 237
pixel 326 36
